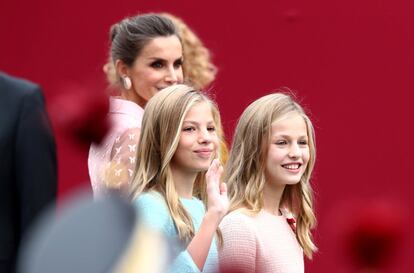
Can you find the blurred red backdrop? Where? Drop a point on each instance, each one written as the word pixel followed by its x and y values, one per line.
pixel 349 62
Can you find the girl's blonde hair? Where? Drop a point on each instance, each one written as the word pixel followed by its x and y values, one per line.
pixel 245 172
pixel 160 134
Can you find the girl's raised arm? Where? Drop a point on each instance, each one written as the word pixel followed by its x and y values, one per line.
pixel 217 207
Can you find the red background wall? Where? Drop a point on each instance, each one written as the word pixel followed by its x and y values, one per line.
pixel 349 61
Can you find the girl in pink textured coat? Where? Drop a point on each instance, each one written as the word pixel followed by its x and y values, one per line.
pixel 268 173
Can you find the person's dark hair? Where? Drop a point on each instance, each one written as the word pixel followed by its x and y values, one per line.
pixel 132 34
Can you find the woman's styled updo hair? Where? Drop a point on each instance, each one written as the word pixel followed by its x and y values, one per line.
pixel 132 34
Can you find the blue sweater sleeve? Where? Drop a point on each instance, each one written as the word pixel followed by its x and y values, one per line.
pixel 153 212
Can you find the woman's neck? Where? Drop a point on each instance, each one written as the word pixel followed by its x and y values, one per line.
pixel 272 195
pixel 133 96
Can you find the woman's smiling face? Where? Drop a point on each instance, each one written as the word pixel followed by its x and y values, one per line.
pixel 159 65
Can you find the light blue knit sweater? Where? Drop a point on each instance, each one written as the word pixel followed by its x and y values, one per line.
pixel 153 212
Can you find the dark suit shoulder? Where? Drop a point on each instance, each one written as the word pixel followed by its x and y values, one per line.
pixel 14 87
pixel 16 92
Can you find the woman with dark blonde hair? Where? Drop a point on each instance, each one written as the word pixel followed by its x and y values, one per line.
pixel 146 55
pixel 268 176
pixel 172 189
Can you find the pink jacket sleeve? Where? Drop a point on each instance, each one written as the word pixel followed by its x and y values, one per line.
pixel 123 160
pixel 238 252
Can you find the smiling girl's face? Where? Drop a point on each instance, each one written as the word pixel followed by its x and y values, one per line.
pixel 288 151
pixel 198 142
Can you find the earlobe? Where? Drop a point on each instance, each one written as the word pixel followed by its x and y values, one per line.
pixel 121 68
pixel 122 71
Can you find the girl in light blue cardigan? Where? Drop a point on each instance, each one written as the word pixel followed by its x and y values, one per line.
pixel 177 188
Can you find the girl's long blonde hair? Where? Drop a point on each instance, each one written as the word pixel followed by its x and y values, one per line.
pixel 245 171
pixel 160 133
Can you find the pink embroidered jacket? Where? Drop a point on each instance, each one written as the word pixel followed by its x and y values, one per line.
pixel 111 164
